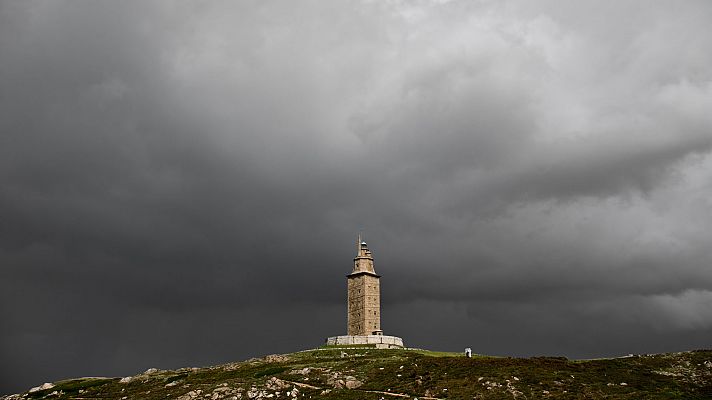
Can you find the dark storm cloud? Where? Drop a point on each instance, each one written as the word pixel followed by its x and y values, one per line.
pixel 181 178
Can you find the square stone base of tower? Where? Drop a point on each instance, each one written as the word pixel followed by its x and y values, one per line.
pixel 379 341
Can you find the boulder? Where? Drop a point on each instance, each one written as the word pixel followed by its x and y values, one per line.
pixel 44 386
pixel 352 383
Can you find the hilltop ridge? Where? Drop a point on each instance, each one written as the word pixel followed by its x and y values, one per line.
pixel 369 373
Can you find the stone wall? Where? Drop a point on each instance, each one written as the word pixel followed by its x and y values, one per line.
pixel 380 341
pixel 364 304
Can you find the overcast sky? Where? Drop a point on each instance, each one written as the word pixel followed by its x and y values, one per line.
pixel 182 183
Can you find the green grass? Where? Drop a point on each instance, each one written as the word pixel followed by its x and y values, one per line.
pixel 439 353
pixel 73 386
pixel 415 373
pixel 270 371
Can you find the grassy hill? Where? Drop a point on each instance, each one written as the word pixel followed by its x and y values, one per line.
pixel 368 373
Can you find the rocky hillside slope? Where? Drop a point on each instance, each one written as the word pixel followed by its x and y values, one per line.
pixel 367 373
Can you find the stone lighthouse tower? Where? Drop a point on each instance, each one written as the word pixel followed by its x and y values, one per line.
pixel 364 295
pixel 364 306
